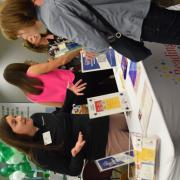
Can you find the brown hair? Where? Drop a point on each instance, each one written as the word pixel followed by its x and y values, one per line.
pixel 32 47
pixel 23 143
pixel 16 15
pixel 38 49
pixel 16 74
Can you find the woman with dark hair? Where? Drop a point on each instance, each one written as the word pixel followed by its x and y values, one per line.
pixel 44 83
pixel 61 141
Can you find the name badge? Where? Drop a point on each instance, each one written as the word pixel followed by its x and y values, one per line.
pixel 47 138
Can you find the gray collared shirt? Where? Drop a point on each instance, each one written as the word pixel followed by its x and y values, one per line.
pixel 72 20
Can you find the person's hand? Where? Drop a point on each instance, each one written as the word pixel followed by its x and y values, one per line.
pixel 89 55
pixel 79 144
pixel 50 36
pixel 77 88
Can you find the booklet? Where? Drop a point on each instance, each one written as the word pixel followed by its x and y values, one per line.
pixel 145 149
pixel 116 160
pixel 108 104
pixel 101 62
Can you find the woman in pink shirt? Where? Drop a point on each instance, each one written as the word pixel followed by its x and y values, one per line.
pixel 45 84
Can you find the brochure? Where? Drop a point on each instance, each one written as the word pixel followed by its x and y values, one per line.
pixel 101 62
pixel 124 65
pixel 108 104
pixel 145 149
pixel 133 72
pixel 111 162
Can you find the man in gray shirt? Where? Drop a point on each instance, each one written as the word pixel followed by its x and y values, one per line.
pixel 71 19
pixel 135 19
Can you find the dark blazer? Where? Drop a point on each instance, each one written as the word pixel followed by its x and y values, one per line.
pixel 64 129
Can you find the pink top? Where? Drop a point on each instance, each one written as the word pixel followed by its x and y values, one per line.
pixel 55 85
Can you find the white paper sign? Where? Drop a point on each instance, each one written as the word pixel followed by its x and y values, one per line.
pixel 108 104
pixel 47 138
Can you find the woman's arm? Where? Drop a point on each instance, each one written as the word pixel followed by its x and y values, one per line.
pixel 73 90
pixel 53 64
pixel 79 145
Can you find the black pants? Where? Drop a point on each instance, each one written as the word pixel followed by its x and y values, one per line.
pixel 162 26
pixel 97 84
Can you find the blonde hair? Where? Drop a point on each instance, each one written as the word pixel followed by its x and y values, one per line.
pixel 40 48
pixel 16 15
pixel 32 47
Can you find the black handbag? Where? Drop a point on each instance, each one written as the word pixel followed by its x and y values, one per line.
pixel 134 50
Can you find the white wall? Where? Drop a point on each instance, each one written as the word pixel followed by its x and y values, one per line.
pixel 13 51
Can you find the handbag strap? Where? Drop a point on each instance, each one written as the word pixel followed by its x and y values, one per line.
pixel 101 18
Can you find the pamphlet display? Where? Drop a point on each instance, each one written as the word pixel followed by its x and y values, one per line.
pixel 111 162
pixel 101 62
pixel 145 149
pixel 108 104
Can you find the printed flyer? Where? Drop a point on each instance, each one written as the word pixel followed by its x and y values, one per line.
pixel 145 149
pixel 124 65
pixel 133 72
pixel 108 104
pixel 101 62
pixel 114 161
